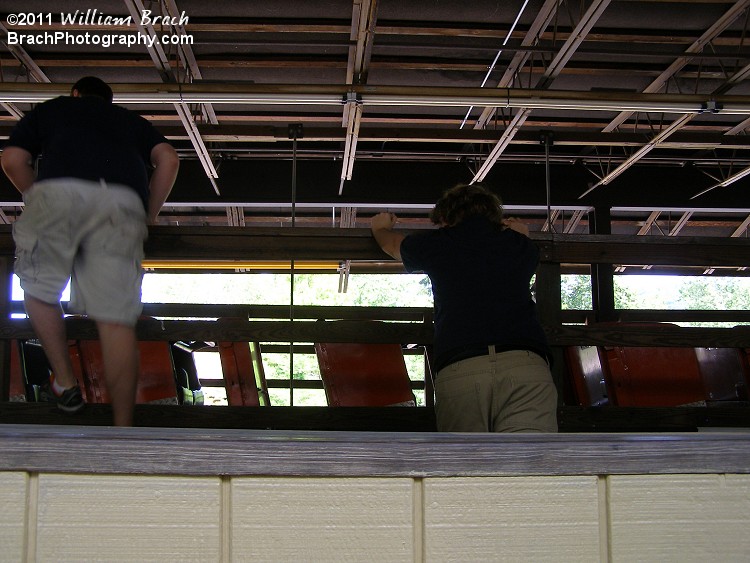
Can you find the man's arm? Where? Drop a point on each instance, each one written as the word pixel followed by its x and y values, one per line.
pixel 18 167
pixel 166 164
pixel 516 225
pixel 388 239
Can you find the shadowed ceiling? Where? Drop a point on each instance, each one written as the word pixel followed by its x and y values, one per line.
pixel 329 111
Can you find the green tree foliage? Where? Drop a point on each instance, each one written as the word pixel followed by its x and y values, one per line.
pixel 625 298
pixel 364 290
pixel 715 293
pixel 256 289
pixel 576 292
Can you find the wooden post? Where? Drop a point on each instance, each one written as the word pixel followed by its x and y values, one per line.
pixel 602 275
pixel 549 305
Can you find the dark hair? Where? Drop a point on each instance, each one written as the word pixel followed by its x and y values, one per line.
pixel 93 86
pixel 465 200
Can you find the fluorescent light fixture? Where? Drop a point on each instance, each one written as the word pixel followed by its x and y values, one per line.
pixel 350 148
pixel 245 98
pixel 338 95
pixel 164 97
pixel 534 102
pixel 29 97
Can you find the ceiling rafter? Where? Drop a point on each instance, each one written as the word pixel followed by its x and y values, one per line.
pixel 673 232
pixel 649 223
pixel 32 68
pixel 23 57
pixel 729 17
pixel 364 18
pixel 541 21
pixel 270 64
pixel 235 216
pixel 566 51
pixel 731 179
pixel 162 63
pixel 549 223
pixel 189 61
pixel 742 229
pixel 640 153
pixel 575 220
pixel 680 224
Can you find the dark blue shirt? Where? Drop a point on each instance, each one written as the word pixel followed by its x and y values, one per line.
pixel 480 278
pixel 88 138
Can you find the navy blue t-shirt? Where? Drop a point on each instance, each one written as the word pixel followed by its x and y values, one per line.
pixel 480 278
pixel 89 138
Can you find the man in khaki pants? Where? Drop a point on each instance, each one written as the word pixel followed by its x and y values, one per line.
pixel 491 353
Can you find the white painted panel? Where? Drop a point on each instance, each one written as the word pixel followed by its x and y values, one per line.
pixel 680 517
pixel 322 519
pixel 511 519
pixel 128 518
pixel 13 487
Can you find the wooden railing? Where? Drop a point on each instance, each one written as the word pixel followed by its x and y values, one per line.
pixel 404 325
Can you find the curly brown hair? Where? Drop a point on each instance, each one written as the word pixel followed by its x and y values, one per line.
pixel 465 200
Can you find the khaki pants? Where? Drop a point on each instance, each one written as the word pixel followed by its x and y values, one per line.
pixel 498 392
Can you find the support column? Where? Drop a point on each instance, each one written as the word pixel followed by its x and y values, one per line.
pixel 602 275
pixel 549 306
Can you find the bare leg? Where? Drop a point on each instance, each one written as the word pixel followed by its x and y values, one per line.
pixel 49 326
pixel 120 352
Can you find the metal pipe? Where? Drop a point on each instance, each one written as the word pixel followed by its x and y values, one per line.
pixel 281 94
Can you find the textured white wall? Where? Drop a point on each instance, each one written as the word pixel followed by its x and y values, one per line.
pixel 66 517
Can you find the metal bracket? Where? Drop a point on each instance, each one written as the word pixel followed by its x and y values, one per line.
pixel 711 106
pixel 295 131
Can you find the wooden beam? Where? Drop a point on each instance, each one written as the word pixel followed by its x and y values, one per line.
pixel 201 451
pixel 262 243
pixel 313 243
pixel 240 330
pixel 639 250
pixel 282 311
pixel 372 419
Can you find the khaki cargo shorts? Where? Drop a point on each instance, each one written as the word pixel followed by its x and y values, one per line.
pixel 89 232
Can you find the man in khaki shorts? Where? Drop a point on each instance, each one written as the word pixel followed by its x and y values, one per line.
pixel 491 353
pixel 85 216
